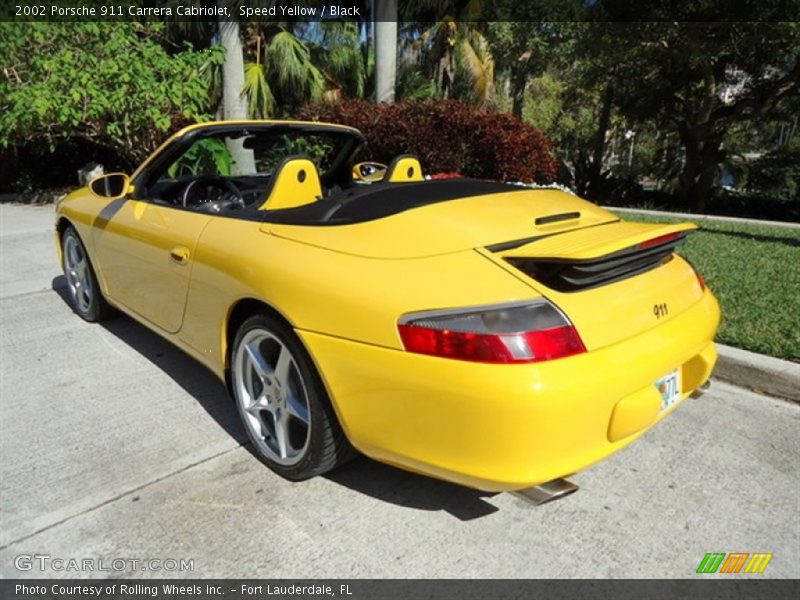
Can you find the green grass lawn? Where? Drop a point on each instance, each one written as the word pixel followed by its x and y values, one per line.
pixel 755 273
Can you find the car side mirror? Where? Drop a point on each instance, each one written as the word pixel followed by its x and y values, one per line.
pixel 369 172
pixel 111 187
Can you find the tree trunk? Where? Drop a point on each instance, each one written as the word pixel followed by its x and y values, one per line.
pixel 520 82
pixel 446 74
pixel 518 95
pixel 703 156
pixel 600 137
pixel 385 49
pixel 233 102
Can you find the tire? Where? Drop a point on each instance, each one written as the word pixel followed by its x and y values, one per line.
pixel 282 402
pixel 86 297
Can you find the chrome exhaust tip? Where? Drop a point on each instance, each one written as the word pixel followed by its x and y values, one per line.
pixel 547 492
pixel 701 390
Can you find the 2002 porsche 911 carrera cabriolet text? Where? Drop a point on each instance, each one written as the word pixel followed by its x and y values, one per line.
pixel 488 334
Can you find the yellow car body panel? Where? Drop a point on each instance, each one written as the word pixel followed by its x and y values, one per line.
pixel 590 243
pixel 450 226
pixel 337 294
pixel 343 289
pixel 506 427
pixel 594 312
pixel 144 252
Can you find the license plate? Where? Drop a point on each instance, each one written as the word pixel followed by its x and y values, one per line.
pixel 669 387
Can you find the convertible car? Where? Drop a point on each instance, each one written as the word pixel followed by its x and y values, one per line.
pixel 487 334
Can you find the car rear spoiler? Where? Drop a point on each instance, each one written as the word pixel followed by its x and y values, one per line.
pixel 592 242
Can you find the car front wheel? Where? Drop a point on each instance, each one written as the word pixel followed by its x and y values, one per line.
pixel 282 402
pixel 84 291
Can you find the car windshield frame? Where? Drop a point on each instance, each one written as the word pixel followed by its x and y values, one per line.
pixel 156 168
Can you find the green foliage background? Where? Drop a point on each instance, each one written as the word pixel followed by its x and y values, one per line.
pixel 754 271
pixel 116 84
pixel 722 90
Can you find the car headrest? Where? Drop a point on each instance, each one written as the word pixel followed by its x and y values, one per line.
pixel 404 168
pixel 294 183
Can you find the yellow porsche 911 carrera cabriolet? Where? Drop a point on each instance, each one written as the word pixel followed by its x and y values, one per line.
pixel 483 333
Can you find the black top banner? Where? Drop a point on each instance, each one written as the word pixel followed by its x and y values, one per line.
pixel 401 10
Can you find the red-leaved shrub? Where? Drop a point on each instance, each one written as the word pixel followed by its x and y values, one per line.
pixel 447 136
pixel 446 175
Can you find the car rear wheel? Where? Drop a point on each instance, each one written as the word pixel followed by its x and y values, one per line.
pixel 282 402
pixel 84 292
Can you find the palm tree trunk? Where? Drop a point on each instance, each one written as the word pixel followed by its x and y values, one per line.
pixel 520 81
pixel 600 135
pixel 447 67
pixel 234 104
pixel 385 49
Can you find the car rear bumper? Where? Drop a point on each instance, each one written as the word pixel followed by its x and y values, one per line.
pixel 505 427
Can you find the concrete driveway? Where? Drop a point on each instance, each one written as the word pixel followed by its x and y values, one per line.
pixel 113 444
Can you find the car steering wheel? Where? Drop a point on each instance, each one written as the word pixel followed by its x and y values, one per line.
pixel 227 193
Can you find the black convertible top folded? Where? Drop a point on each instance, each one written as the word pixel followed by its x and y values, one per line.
pixel 368 202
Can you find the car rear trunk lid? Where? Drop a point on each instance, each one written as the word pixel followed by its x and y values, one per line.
pixel 520 214
pixel 613 281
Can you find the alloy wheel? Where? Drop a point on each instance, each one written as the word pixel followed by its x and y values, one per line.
pixel 76 268
pixel 272 397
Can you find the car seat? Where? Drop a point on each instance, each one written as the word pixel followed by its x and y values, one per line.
pixel 404 168
pixel 294 183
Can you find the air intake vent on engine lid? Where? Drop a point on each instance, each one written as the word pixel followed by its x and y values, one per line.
pixel 565 275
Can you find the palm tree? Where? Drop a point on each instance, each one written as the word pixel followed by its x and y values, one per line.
pixel 441 41
pixel 279 69
pixel 385 49
pixel 344 60
pixel 266 65
pixel 413 84
pixel 233 101
pixel 454 48
pixel 476 67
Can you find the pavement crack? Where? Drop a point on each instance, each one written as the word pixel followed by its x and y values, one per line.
pixel 33 292
pixel 121 496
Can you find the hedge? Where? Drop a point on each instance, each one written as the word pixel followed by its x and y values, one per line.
pixel 447 136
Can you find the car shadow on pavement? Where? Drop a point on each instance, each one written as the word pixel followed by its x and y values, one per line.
pixel 363 475
pixel 193 377
pixel 390 484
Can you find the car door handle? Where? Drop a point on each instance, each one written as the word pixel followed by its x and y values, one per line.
pixel 180 254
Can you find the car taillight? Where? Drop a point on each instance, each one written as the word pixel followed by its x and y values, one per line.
pixel 514 333
pixel 700 279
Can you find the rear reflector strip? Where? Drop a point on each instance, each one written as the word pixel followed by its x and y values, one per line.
pixel 660 240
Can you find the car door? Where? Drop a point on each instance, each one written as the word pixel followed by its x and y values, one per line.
pixel 145 253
